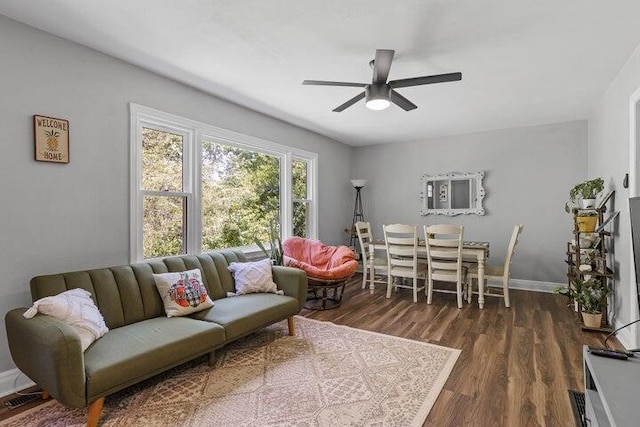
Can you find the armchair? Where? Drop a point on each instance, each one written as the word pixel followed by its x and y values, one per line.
pixel 327 267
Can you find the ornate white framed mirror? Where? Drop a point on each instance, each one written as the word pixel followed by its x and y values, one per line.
pixel 452 194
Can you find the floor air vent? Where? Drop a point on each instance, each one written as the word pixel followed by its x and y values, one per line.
pixel 577 404
pixel 21 400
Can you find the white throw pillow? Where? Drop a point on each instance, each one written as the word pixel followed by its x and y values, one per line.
pixel 77 309
pixel 253 277
pixel 183 292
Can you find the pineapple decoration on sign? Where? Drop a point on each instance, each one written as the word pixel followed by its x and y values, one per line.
pixel 52 139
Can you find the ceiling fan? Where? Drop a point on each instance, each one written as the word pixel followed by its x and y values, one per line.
pixel 380 93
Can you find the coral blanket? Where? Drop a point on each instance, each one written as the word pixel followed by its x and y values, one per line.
pixel 318 260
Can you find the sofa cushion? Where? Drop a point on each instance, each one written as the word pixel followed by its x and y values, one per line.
pixel 244 314
pixel 131 353
pixel 182 293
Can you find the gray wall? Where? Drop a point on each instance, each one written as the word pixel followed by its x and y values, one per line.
pixel 609 148
pixel 528 173
pixel 57 218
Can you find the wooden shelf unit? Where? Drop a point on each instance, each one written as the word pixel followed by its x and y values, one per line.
pixel 596 254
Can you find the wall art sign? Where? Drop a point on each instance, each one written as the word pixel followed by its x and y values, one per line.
pixel 51 139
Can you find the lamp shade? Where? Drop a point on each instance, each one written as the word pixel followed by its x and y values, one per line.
pixel 358 183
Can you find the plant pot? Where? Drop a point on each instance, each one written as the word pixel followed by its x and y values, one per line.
pixel 592 320
pixel 587 203
pixel 587 224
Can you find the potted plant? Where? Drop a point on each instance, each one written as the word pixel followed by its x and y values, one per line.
pixel 584 194
pixel 587 221
pixel 275 245
pixel 591 294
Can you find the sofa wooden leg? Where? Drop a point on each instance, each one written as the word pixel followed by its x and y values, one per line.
pixel 292 326
pixel 45 395
pixel 212 358
pixel 94 412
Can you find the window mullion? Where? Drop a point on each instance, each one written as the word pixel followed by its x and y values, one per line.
pixel 312 195
pixel 196 210
pixel 135 197
pixel 286 195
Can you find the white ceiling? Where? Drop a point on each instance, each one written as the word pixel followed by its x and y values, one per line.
pixel 523 62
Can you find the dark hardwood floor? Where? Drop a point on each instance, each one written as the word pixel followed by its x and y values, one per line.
pixel 516 364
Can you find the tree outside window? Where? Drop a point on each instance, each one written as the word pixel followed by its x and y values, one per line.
pixel 240 195
pixel 164 207
pixel 300 197
pixel 198 188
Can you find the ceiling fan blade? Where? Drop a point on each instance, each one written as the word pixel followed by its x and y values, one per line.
pixel 326 83
pixel 382 65
pixel 401 101
pixel 349 103
pixel 426 80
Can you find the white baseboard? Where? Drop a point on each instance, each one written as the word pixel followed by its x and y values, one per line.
pixel 12 381
pixel 534 285
pixel 521 284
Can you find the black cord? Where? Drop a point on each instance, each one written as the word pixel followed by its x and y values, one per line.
pixel 614 332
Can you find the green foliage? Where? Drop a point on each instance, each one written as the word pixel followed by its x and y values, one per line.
pixel 584 190
pixel 162 226
pixel 161 160
pixel 275 252
pixel 591 294
pixel 299 192
pixel 240 195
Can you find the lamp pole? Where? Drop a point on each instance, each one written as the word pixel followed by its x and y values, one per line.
pixel 358 214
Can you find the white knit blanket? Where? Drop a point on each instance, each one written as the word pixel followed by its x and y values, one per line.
pixel 77 309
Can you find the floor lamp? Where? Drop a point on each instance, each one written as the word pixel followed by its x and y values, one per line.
pixel 358 214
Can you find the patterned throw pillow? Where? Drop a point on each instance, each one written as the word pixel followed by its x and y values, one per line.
pixel 253 277
pixel 182 293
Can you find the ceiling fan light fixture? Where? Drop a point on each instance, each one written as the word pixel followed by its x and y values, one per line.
pixel 377 104
pixel 377 97
pixel 381 92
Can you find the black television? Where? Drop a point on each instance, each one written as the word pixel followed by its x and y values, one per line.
pixel 634 219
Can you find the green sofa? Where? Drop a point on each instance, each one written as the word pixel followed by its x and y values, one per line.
pixel 141 341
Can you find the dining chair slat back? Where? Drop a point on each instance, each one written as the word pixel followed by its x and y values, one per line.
pixel 499 272
pixel 371 265
pixel 513 242
pixel 444 258
pixel 401 242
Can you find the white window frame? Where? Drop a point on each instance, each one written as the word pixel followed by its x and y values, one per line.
pixel 194 133
pixel 309 200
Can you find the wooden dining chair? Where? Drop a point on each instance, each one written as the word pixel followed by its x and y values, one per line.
pixel 499 273
pixel 372 266
pixel 444 258
pixel 401 242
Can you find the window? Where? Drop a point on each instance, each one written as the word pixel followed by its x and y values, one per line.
pixel 240 195
pixel 195 187
pixel 301 201
pixel 163 198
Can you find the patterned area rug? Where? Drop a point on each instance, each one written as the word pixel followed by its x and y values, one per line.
pixel 327 375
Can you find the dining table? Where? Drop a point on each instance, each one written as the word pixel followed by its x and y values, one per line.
pixel 471 250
